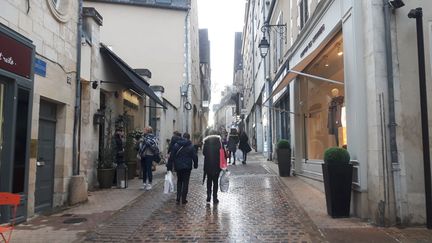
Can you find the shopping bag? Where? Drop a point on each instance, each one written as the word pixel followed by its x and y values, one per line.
pixel 169 184
pixel 239 155
pixel 224 181
pixel 222 159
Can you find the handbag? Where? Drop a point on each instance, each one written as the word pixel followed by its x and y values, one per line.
pixel 222 158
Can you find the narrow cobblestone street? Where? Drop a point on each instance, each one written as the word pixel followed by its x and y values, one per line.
pixel 256 209
pixel 259 207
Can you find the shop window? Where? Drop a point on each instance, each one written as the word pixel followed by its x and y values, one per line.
pixel 304 12
pixel 323 103
pixel 21 141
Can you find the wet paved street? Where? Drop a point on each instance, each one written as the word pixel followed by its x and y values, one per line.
pixel 257 208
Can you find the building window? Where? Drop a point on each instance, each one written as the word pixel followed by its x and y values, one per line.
pixel 60 9
pixel 304 13
pixel 164 1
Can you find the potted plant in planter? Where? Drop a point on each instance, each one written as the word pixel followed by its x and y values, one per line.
pixel 337 172
pixel 283 151
pixel 105 171
pixel 131 152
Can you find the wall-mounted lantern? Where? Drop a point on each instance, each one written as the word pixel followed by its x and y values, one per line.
pixel 98 117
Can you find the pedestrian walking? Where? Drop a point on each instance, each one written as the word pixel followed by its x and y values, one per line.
pixel 233 140
pixel 175 137
pixel 211 147
pixel 244 145
pixel 149 152
pixel 182 157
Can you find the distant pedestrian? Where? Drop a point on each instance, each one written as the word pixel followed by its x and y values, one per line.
pixel 149 152
pixel 211 147
pixel 244 145
pixel 233 140
pixel 182 156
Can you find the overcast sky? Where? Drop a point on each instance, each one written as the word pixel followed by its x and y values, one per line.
pixel 222 18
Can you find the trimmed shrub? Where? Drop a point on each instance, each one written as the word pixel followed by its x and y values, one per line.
pixel 283 144
pixel 336 155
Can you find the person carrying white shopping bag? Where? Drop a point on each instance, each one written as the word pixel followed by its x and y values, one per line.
pixel 182 156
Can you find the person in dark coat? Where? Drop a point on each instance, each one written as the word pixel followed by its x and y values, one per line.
pixel 176 136
pixel 233 140
pixel 182 156
pixel 120 151
pixel 244 145
pixel 211 147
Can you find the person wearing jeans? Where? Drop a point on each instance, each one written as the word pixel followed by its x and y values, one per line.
pixel 147 158
pixel 146 166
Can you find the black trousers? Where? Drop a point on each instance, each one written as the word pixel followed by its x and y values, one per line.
pixel 212 181
pixel 183 184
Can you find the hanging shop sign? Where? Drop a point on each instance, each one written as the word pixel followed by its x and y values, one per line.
pixel 15 57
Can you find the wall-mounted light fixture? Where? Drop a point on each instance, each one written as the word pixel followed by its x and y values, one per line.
pixel 264 44
pixel 98 117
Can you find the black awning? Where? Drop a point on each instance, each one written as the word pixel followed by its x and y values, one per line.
pixel 135 82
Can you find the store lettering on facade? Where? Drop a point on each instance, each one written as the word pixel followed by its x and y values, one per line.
pixel 309 45
pixel 14 56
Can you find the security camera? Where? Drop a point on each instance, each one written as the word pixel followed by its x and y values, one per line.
pixel 395 4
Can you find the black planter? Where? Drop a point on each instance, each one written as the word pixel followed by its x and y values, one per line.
pixel 284 161
pixel 105 177
pixel 132 167
pixel 337 185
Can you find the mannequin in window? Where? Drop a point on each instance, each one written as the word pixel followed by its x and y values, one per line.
pixel 335 114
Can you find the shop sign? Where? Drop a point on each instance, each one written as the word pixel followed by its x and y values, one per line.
pixel 14 56
pixel 315 37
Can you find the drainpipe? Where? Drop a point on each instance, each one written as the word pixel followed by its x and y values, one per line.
pixel 392 117
pixel 77 115
pixel 187 74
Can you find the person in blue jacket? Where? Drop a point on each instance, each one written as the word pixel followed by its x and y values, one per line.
pixel 182 156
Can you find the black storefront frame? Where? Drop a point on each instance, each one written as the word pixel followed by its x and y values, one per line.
pixel 13 83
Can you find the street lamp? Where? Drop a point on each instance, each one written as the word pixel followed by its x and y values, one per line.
pixel 264 46
pixel 418 15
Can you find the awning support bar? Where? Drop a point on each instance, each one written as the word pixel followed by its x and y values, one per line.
pixel 316 77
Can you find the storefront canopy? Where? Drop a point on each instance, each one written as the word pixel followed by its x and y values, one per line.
pixel 135 81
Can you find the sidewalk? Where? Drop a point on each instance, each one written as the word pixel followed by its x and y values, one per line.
pixel 69 225
pixel 310 195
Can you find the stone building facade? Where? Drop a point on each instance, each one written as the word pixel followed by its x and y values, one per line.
pixel 337 50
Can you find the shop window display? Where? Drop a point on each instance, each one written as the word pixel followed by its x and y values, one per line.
pixel 323 103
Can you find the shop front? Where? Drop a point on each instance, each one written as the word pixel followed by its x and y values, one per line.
pixel 322 91
pixel 16 94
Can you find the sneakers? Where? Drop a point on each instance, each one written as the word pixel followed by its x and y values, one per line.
pixel 149 187
pixel 144 185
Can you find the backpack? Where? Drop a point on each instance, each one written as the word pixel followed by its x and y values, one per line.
pixel 151 143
